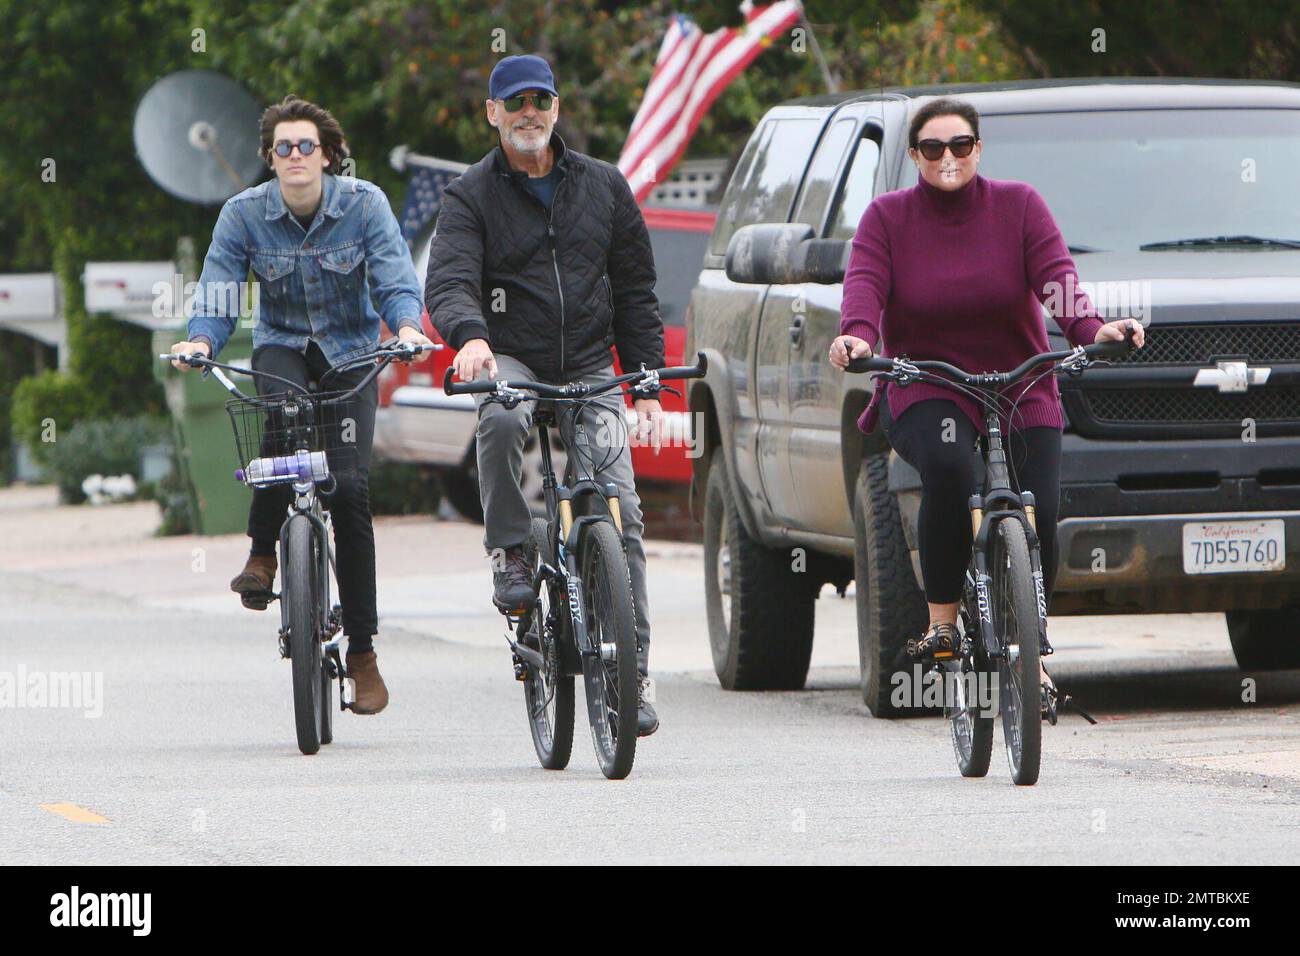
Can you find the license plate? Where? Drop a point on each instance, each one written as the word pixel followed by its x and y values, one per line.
pixel 1225 547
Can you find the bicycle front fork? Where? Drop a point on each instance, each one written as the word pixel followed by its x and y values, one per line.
pixel 983 579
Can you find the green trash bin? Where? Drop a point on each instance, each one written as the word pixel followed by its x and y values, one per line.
pixel 204 439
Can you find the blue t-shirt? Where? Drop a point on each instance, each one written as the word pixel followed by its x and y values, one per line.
pixel 543 187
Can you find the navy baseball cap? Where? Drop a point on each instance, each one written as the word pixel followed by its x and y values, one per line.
pixel 514 74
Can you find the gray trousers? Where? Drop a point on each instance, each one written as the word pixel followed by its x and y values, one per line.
pixel 507 518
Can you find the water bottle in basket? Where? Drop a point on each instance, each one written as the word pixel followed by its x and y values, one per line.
pixel 301 466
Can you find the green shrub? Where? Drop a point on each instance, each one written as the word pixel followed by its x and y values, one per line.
pixel 108 446
pixel 45 407
pixel 401 488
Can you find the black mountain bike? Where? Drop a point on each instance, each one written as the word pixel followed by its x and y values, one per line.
pixel 299 437
pixel 1003 611
pixel 583 620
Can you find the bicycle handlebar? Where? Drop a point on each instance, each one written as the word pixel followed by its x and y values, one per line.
pixel 402 353
pixel 906 366
pixel 575 389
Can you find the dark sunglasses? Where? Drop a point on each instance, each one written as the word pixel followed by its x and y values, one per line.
pixel 305 146
pixel 515 103
pixel 932 149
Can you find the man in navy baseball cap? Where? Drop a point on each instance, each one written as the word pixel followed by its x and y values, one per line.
pixel 540 262
pixel 523 105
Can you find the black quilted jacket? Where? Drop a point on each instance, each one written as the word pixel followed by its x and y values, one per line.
pixel 554 292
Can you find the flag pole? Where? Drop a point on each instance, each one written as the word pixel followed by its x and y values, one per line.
pixel 831 85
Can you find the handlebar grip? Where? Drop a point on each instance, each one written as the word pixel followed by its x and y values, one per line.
pixel 874 364
pixel 687 371
pixel 183 357
pixel 466 388
pixel 1112 347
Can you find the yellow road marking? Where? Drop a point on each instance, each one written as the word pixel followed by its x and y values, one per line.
pixel 70 811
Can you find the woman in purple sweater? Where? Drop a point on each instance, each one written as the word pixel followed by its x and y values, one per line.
pixel 954 269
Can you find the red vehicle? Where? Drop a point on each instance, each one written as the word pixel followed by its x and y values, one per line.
pixel 418 422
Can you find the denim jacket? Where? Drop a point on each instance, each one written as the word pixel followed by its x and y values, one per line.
pixel 313 284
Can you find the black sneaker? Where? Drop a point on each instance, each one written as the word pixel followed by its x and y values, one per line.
pixel 512 582
pixel 647 721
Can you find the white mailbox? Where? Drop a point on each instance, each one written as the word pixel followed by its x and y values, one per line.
pixel 29 303
pixel 136 292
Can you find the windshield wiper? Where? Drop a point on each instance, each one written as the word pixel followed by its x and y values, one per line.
pixel 1076 250
pixel 1220 241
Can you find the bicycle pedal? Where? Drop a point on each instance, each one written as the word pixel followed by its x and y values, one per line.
pixel 257 600
pixel 520 667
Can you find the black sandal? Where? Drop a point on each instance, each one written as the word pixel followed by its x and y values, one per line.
pixel 937 644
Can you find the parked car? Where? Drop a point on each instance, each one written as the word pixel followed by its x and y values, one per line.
pixel 1157 182
pixel 418 422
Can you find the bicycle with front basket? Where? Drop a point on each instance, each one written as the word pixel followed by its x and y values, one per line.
pixel 297 438
pixel 1003 610
pixel 583 619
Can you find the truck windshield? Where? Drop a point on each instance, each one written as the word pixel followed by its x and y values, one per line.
pixel 1119 180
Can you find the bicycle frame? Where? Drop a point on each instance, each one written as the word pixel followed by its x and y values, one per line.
pixel 984 521
pixel 987 508
pixel 566 530
pixel 306 505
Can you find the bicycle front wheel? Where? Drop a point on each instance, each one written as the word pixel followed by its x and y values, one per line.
pixel 302 606
pixel 548 695
pixel 1015 617
pixel 609 671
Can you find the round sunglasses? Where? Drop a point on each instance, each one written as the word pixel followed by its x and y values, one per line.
pixel 305 146
pixel 540 100
pixel 933 149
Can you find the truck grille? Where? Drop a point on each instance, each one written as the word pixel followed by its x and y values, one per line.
pixel 1200 344
pixel 1191 406
pixel 1163 412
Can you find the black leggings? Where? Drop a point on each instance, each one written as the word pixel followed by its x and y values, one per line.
pixel 349 503
pixel 948 478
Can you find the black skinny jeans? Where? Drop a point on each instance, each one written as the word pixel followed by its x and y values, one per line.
pixel 348 503
pixel 948 478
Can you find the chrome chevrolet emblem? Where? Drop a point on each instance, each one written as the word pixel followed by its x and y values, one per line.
pixel 1231 376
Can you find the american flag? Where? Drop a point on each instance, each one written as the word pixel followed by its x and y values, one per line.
pixel 692 69
pixel 426 178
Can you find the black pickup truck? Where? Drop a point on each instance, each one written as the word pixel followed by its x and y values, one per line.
pixel 1181 463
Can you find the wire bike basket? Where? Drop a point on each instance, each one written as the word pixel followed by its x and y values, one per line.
pixel 293 437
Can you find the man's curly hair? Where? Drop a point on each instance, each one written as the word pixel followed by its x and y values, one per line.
pixel 293 108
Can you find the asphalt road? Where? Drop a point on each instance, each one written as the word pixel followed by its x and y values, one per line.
pixel 191 757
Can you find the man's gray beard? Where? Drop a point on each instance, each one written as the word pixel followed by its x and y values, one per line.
pixel 519 144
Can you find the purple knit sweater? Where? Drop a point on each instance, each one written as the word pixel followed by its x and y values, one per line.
pixel 958 276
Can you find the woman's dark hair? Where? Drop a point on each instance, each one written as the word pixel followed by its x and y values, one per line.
pixel 945 106
pixel 290 109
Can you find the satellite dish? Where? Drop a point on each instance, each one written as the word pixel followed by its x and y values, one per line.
pixel 196 136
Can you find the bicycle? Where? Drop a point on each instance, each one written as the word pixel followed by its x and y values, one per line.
pixel 583 619
pixel 1003 610
pixel 296 437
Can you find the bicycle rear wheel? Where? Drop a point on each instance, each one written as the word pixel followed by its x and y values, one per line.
pixel 302 606
pixel 610 673
pixel 1015 616
pixel 970 712
pixel 548 696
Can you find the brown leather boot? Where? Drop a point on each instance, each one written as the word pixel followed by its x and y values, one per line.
pixel 253 584
pixel 371 694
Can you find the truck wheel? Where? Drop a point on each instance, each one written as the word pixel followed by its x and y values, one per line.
pixel 1265 640
pixel 890 605
pixel 760 610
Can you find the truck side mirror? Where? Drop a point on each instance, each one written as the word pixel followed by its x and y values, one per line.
pixel 784 253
